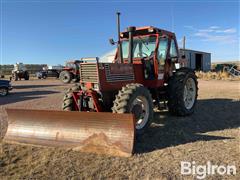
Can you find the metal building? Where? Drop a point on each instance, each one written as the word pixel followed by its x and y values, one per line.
pixel 197 60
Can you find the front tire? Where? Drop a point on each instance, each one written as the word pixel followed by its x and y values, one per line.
pixel 68 101
pixel 136 99
pixel 3 91
pixel 182 92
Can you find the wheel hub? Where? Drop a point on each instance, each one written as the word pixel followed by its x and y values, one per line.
pixel 140 108
pixel 137 111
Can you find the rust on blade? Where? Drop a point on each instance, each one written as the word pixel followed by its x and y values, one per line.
pixel 102 133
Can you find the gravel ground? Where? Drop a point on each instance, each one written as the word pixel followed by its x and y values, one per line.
pixel 210 134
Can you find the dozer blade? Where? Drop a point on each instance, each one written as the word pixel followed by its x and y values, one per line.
pixel 102 133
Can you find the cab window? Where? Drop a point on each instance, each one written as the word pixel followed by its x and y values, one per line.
pixel 162 50
pixel 173 49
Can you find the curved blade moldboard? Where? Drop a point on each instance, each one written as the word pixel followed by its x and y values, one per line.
pixel 102 133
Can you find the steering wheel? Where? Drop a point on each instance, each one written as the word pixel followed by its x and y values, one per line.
pixel 143 53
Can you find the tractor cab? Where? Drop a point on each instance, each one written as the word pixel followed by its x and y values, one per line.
pixel 73 65
pixel 155 48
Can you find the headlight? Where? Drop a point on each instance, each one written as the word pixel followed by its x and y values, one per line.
pixel 177 65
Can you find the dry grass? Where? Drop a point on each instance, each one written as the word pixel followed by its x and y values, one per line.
pixel 210 134
pixel 215 75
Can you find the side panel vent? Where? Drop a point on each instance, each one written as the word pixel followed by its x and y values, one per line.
pixel 119 72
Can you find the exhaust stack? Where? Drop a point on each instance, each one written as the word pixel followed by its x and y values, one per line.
pixel 130 30
pixel 184 43
pixel 120 56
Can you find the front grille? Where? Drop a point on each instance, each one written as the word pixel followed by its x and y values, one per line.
pixel 88 72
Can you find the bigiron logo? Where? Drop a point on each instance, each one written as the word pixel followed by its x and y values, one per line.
pixel 202 171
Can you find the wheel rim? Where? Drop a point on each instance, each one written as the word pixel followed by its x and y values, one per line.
pixel 3 92
pixel 65 78
pixel 140 108
pixel 189 94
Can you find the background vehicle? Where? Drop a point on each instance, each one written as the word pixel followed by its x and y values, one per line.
pixel 5 87
pixel 145 74
pixel 47 73
pixel 20 72
pixel 223 67
pixel 70 72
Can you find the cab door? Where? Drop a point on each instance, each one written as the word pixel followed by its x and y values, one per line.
pixel 162 55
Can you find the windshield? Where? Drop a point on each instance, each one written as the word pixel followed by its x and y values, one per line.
pixel 142 46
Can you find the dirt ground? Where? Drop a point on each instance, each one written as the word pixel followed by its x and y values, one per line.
pixel 211 134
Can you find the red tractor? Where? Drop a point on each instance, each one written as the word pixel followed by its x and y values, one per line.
pixel 114 101
pixel 146 71
pixel 70 72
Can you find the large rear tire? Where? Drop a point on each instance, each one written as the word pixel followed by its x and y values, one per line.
pixel 66 77
pixel 182 92
pixel 136 99
pixel 68 101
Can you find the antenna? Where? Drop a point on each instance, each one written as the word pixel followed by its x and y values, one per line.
pixel 184 42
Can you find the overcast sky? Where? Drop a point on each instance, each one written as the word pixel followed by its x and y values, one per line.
pixel 54 31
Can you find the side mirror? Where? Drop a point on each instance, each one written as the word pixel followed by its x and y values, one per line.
pixel 111 41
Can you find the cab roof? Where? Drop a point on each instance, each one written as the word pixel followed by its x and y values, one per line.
pixel 146 30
